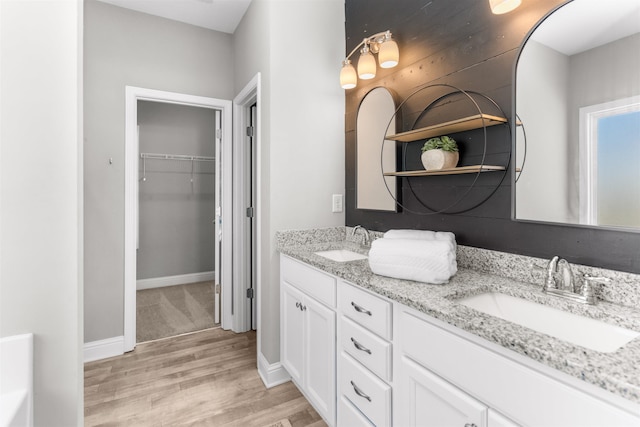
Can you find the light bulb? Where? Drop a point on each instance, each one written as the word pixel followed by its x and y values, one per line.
pixel 366 64
pixel 499 7
pixel 388 54
pixel 348 76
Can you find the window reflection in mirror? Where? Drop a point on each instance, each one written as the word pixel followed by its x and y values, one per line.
pixel 578 97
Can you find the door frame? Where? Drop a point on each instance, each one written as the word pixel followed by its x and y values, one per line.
pixel 132 96
pixel 242 103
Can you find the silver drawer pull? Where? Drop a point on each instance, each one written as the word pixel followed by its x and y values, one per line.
pixel 359 392
pixel 359 346
pixel 359 309
pixel 470 425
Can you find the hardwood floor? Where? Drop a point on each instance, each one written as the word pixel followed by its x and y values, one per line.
pixel 208 378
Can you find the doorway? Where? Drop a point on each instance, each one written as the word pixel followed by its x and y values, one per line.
pixel 247 197
pixel 222 210
pixel 176 245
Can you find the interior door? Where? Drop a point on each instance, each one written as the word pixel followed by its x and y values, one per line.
pixel 218 216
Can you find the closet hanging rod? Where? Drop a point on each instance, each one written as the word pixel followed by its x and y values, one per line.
pixel 157 156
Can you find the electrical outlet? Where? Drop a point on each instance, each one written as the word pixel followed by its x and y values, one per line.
pixel 336 205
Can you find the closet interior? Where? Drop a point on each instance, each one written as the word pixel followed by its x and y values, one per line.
pixel 176 210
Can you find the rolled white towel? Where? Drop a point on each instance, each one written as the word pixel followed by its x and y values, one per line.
pixel 411 259
pixel 420 235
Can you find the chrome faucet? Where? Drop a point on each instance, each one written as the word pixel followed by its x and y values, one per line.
pixel 560 282
pixel 559 275
pixel 366 239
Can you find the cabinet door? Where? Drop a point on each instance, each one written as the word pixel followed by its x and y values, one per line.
pixel 427 400
pixel 292 331
pixel 320 348
pixel 496 419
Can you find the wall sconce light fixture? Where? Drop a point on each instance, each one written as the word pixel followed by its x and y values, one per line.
pixel 380 43
pixel 499 7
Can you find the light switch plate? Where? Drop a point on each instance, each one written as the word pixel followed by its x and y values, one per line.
pixel 336 205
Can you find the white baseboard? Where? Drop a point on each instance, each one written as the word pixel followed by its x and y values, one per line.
pixel 272 374
pixel 97 350
pixel 180 279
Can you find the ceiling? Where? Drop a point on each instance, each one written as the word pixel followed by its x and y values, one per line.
pixel 218 15
pixel 585 24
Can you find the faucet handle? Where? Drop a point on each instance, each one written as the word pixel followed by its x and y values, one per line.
pixel 590 286
pixel 596 279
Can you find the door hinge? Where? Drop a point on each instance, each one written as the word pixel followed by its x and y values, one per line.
pixel 250 130
pixel 250 293
pixel 217 289
pixel 250 212
pixel 219 133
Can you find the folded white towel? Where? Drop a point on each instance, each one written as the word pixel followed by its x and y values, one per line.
pixel 420 235
pixel 411 259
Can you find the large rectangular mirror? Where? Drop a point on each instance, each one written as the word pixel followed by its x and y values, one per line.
pixel 578 98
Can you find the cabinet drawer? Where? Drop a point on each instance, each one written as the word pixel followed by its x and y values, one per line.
pixel 366 347
pixel 319 285
pixel 370 311
pixel 350 416
pixel 368 393
pixel 485 373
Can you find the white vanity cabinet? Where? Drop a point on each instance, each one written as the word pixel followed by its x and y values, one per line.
pixel 364 360
pixel 469 381
pixel 308 333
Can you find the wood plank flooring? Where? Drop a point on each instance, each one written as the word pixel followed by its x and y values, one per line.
pixel 207 378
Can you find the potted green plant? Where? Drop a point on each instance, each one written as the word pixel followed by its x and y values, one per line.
pixel 440 153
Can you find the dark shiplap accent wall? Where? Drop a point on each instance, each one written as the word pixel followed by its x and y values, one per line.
pixel 461 43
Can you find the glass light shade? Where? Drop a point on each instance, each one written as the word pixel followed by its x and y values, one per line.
pixel 499 7
pixel 388 54
pixel 366 65
pixel 348 76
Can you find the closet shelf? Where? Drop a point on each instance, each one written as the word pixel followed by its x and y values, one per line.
pixel 459 125
pixel 450 171
pixel 158 156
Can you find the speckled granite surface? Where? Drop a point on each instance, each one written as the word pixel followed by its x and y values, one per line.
pixel 481 271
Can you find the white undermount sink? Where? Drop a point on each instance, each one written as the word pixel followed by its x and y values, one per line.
pixel 341 255
pixel 576 329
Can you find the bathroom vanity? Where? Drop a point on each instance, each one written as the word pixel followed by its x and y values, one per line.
pixel 368 350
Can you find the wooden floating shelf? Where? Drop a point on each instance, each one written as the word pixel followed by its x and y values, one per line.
pixel 450 171
pixel 460 125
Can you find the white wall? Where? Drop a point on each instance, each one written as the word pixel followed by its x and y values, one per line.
pixel 40 197
pixel 298 47
pixel 124 47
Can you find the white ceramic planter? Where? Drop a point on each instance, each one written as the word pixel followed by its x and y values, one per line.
pixel 439 159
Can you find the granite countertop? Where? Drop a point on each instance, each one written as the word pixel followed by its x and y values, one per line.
pixel 617 372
